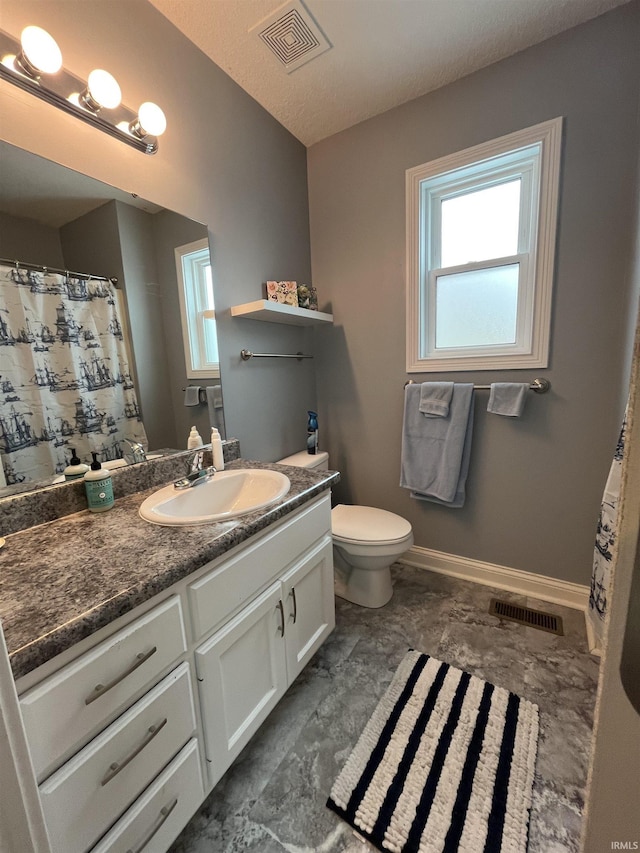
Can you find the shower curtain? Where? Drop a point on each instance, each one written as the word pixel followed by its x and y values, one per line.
pixel 65 380
pixel 605 544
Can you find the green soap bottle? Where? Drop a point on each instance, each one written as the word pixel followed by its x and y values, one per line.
pixel 99 487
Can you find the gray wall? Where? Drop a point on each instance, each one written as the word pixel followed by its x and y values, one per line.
pixel 535 484
pixel 223 161
pixel 26 240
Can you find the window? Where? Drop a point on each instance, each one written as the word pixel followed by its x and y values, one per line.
pixel 481 228
pixel 193 263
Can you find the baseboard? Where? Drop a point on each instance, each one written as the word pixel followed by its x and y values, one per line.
pixel 514 580
pixel 592 640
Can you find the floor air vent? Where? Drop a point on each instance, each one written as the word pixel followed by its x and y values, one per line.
pixel 526 616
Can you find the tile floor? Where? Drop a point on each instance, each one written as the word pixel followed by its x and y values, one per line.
pixel 272 800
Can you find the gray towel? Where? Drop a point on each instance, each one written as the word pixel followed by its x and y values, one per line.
pixel 507 398
pixel 435 399
pixel 436 451
pixel 214 402
pixel 192 395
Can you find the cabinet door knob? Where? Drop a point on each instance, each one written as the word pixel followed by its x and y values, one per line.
pixel 101 689
pixel 281 608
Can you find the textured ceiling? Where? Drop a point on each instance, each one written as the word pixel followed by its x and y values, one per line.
pixel 383 52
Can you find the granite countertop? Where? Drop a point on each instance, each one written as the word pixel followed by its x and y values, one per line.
pixel 63 580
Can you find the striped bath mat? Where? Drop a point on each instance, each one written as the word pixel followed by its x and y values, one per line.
pixel 445 764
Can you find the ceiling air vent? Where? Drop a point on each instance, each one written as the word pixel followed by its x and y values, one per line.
pixel 292 35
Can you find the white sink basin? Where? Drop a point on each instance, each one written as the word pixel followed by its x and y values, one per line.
pixel 228 494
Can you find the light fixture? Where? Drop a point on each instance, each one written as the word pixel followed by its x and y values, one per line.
pixel 102 91
pixel 34 64
pixel 151 120
pixel 39 53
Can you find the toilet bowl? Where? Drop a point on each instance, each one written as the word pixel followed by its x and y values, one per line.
pixel 366 541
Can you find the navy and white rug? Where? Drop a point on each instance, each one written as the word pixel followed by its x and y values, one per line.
pixel 445 764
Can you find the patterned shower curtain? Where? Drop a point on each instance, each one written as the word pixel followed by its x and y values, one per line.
pixel 605 545
pixel 65 380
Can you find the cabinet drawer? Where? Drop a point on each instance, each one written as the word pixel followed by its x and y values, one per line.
pixel 87 794
pixel 158 816
pixel 218 595
pixel 64 710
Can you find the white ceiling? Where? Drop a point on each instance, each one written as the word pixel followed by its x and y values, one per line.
pixel 383 52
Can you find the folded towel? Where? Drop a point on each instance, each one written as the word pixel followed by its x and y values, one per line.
pixel 214 403
pixel 507 398
pixel 436 451
pixel 192 395
pixel 435 399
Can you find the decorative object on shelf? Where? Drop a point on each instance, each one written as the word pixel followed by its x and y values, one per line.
pixel 307 297
pixel 34 64
pixel 285 292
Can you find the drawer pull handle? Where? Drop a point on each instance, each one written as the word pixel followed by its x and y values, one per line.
pixel 101 689
pixel 115 768
pixel 295 604
pixel 165 811
pixel 281 627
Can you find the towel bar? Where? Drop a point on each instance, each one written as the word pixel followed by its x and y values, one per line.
pixel 246 354
pixel 540 386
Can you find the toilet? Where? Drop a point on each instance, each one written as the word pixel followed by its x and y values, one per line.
pixel 366 541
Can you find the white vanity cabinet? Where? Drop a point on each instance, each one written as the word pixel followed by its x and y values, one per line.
pixel 245 667
pixel 129 732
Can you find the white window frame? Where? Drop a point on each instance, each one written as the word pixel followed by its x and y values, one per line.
pixel 533 155
pixel 190 259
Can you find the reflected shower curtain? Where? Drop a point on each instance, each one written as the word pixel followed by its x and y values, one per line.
pixel 605 544
pixel 64 375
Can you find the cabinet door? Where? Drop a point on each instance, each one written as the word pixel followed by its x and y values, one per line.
pixel 242 674
pixel 309 606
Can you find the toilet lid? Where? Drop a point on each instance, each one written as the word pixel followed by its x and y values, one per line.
pixel 367 524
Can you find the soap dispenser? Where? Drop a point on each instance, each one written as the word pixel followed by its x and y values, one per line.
pixel 216 450
pixel 76 467
pixel 194 440
pixel 99 487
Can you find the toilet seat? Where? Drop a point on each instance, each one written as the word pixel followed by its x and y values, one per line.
pixel 357 525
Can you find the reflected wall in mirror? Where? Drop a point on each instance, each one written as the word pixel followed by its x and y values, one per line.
pixel 53 217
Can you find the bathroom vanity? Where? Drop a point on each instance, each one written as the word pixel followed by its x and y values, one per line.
pixel 146 657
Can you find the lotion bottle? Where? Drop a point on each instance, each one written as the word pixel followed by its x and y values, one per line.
pixel 76 468
pixel 216 450
pixel 195 439
pixel 99 487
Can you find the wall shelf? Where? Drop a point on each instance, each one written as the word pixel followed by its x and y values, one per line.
pixel 276 312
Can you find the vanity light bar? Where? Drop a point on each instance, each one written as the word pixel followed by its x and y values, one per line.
pixel 76 97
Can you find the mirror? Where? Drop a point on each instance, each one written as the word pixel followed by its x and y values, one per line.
pixel 53 217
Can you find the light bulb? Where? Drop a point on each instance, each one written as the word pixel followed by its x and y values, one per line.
pixel 40 51
pixel 151 119
pixel 102 91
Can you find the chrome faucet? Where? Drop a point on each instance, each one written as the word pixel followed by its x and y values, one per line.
pixel 137 454
pixel 200 475
pixel 196 472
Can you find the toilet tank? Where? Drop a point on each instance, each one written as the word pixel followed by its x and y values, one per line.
pixel 319 460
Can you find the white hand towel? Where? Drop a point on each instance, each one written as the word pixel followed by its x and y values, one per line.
pixel 507 398
pixel 435 399
pixel 192 395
